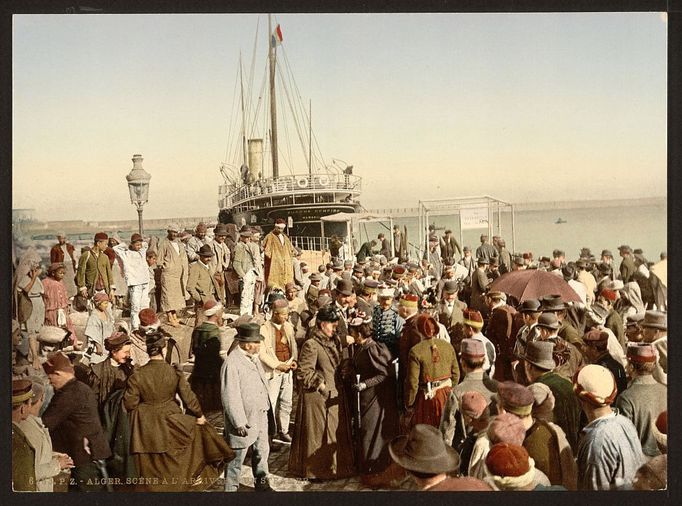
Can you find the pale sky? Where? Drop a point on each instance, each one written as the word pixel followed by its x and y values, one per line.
pixel 523 107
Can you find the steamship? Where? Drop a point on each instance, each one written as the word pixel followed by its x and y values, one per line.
pixel 255 191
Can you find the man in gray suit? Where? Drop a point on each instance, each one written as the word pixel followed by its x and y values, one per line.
pixel 244 392
pixel 248 266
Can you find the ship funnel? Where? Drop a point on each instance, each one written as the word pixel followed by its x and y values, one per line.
pixel 255 159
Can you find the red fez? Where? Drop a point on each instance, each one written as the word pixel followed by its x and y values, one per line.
pixel 641 353
pixel 662 422
pixel 135 238
pixel 409 300
pixel 147 317
pixel 473 318
pixel 427 325
pixel 608 294
pixel 101 236
pixel 57 362
pixel 507 460
pixel 100 297
pixel 279 221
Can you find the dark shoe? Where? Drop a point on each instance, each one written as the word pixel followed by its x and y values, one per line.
pixel 282 438
pixel 262 485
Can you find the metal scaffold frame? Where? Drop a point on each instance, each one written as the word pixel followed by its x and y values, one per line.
pixel 455 206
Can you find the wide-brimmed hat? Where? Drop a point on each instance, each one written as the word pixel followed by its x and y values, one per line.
pixel 548 321
pixel 220 229
pixel 206 251
pixel 424 451
pixel 655 320
pixel 451 286
pixel 245 231
pixel 249 333
pixel 552 303
pixel 539 353
pixel 344 287
pixel 529 306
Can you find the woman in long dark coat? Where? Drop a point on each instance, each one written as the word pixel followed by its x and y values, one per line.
pixel 173 451
pixel 379 419
pixel 108 379
pixel 322 446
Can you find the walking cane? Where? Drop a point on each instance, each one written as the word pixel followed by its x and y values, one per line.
pixel 357 382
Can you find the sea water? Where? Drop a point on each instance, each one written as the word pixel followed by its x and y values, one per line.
pixel 596 228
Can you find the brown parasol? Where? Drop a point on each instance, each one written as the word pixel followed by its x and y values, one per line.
pixel 533 284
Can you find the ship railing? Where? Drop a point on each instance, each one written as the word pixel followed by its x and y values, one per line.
pixel 293 184
pixel 310 243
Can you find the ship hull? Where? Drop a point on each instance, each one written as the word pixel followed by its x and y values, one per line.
pixel 304 218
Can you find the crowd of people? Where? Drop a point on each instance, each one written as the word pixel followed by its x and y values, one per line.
pixel 379 366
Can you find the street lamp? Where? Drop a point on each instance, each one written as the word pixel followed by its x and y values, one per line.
pixel 138 186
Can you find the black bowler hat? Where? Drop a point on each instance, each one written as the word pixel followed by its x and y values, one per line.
pixel 206 251
pixel 249 333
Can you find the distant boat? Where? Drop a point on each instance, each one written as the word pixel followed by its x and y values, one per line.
pixel 559 221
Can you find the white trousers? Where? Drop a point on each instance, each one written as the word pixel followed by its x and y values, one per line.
pixel 281 391
pixel 248 293
pixel 138 297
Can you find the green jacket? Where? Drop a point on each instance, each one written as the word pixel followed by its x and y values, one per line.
pixel 23 462
pixel 89 267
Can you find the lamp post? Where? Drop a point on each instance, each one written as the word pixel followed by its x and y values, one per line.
pixel 138 186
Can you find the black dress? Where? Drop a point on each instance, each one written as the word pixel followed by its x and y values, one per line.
pixel 378 409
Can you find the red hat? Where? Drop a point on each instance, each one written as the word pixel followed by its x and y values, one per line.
pixel 280 221
pixel 507 460
pixel 211 307
pixel 100 297
pixel 57 362
pixel 515 398
pixel 608 294
pixel 116 341
pixel 398 271
pixel 473 318
pixel 148 317
pixel 427 325
pixel 409 300
pixel 641 352
pixel 473 404
pixel 101 236
pixel 662 422
pixel 135 238
pixel 506 428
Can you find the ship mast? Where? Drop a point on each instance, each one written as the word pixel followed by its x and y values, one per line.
pixel 273 103
pixel 241 82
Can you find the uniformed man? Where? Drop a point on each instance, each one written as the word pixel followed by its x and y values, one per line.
pixel 486 250
pixel 248 267
pixel 367 296
pixel 386 321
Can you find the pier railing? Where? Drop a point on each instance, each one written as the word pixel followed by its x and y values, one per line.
pixel 229 196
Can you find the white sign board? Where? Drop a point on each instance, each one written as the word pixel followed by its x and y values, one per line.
pixel 474 217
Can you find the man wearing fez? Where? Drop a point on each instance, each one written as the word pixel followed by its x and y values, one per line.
pixel 429 461
pixel 173 263
pixel 201 283
pixel 432 372
pixel 94 270
pixel 136 275
pixel 23 453
pixel 73 421
pixel 279 254
pixel 244 391
pixel 609 452
pixel 278 354
pixel 645 398
pixel 596 352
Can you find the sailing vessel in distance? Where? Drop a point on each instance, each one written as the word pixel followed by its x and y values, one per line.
pixel 254 193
